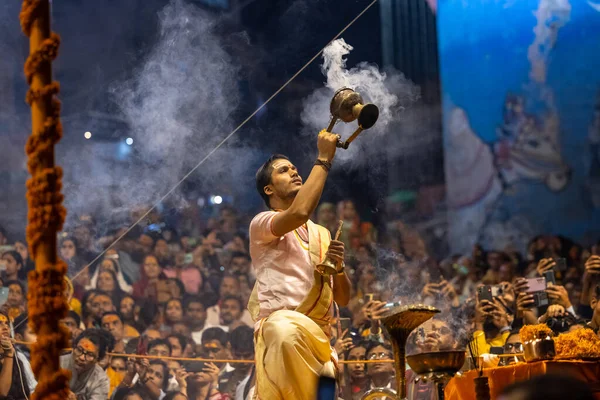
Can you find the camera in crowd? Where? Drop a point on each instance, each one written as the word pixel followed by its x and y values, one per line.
pixel 561 324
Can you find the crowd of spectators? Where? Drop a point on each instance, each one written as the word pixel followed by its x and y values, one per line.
pixel 178 287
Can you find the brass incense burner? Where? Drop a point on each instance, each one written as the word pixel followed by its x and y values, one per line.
pixel 347 105
pixel 400 321
pixel 437 367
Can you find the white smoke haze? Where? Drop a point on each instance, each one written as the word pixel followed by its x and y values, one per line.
pixel 551 15
pixel 389 90
pixel 178 105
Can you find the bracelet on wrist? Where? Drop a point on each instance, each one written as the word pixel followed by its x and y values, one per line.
pixel 325 164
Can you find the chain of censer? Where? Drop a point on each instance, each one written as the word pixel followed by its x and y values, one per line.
pixel 46 301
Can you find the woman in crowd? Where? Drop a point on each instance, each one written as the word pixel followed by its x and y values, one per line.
pixel 201 382
pixel 68 252
pixel 355 231
pixel 28 264
pixel 16 379
pixel 16 303
pixel 173 313
pixel 108 283
pixel 111 264
pixel 13 265
pixel 356 373
pixel 152 273
pixel 87 308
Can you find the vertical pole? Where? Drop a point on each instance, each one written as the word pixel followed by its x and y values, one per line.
pixel 47 303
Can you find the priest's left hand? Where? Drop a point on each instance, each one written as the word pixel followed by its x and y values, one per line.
pixel 336 251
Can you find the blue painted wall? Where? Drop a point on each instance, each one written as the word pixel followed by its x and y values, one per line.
pixel 513 173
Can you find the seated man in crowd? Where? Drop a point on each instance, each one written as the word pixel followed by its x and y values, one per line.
pixel 215 346
pixel 113 323
pixel 231 312
pixel 238 383
pixel 195 316
pixel 230 286
pixel 88 379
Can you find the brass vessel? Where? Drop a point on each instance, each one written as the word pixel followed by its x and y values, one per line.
pixel 539 349
pixel 329 266
pixel 347 105
pixel 441 362
pixel 400 321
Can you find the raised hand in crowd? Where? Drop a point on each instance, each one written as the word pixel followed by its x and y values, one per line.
pixel 181 376
pixel 8 349
pixel 213 372
pixel 365 313
pixel 554 311
pixel 520 286
pixel 559 295
pixel 430 290
pixel 483 309
pixel 591 278
pixel 375 310
pixel 592 265
pixel 142 366
pixel 525 305
pixel 343 344
pixel 545 264
pixel 500 317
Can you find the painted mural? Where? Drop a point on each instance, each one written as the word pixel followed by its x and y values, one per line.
pixel 521 104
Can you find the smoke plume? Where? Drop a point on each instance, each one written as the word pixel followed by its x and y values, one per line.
pixel 389 90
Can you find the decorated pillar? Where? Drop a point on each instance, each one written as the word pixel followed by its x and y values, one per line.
pixel 46 300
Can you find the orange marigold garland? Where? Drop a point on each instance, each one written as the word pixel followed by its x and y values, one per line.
pixel 46 300
pixel 580 344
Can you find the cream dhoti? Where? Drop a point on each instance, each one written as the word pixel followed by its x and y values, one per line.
pixel 292 348
pixel 292 352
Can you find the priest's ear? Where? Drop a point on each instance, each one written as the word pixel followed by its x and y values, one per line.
pixel 268 190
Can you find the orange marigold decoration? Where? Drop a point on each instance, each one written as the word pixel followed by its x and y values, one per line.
pixel 532 332
pixel 46 300
pixel 580 344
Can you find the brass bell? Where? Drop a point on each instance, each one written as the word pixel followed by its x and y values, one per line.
pixel 328 266
pixel 348 106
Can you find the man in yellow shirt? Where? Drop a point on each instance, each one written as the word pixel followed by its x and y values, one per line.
pixel 492 326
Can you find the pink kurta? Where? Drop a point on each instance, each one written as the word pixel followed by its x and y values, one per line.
pixel 284 272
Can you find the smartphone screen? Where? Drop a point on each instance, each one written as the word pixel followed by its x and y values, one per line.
pixel 536 285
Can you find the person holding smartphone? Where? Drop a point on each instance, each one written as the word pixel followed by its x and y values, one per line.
pixel 291 302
